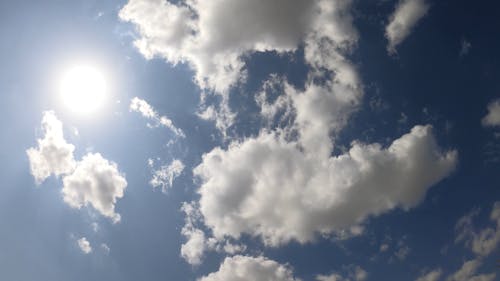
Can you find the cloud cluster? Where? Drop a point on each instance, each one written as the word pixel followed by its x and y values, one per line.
pixel 404 19
pixel 286 183
pixel 484 241
pixel 492 119
pixel 213 37
pixel 92 181
pixel 245 268
pixel 147 111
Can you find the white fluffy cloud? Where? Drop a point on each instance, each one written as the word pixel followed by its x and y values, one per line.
pixel 283 193
pixel 493 116
pixel 468 272
pixel 245 268
pixel 211 36
pixel 165 175
pixel 433 275
pixel 214 36
pixel 93 180
pixel 403 20
pixel 146 110
pixel 484 241
pixel 97 182
pixel 53 155
pixel 84 245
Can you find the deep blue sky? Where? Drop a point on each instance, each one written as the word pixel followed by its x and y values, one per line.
pixel 428 81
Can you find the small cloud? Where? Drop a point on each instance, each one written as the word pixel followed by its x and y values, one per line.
pixel 403 119
pixel 53 156
pixel 464 47
pixel 492 119
pixel 384 248
pixel 84 245
pixel 97 182
pixel 404 19
pixel 166 174
pixel 105 248
pixel 95 226
pixel 147 111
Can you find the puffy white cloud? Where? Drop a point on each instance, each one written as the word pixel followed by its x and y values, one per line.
pixel 245 268
pixel 433 275
pixel 355 273
pixel 468 272
pixel 93 180
pixel 146 110
pixel 166 174
pixel 53 154
pixel 214 36
pixel 493 117
pixel 84 245
pixel 96 182
pixel 283 192
pixel 406 16
pixel 484 241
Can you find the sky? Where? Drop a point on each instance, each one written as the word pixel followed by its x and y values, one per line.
pixel 284 140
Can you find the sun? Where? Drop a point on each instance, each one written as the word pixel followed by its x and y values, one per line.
pixel 83 88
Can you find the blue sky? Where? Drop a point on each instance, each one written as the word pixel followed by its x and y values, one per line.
pixel 324 140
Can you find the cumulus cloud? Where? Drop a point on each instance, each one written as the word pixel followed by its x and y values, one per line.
pixel 165 175
pixel 53 154
pixel 147 111
pixel 97 182
pixel 433 275
pixel 468 272
pixel 484 241
pixel 213 37
pixel 246 268
pixel 492 119
pixel 84 245
pixel 404 19
pixel 93 180
pixel 283 193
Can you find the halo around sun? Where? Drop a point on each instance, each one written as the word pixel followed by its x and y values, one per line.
pixel 83 89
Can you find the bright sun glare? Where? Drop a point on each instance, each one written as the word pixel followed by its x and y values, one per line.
pixel 83 89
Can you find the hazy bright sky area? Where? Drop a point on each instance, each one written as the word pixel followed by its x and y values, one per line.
pixel 264 140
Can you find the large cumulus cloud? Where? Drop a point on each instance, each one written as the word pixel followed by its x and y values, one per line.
pixel 271 188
